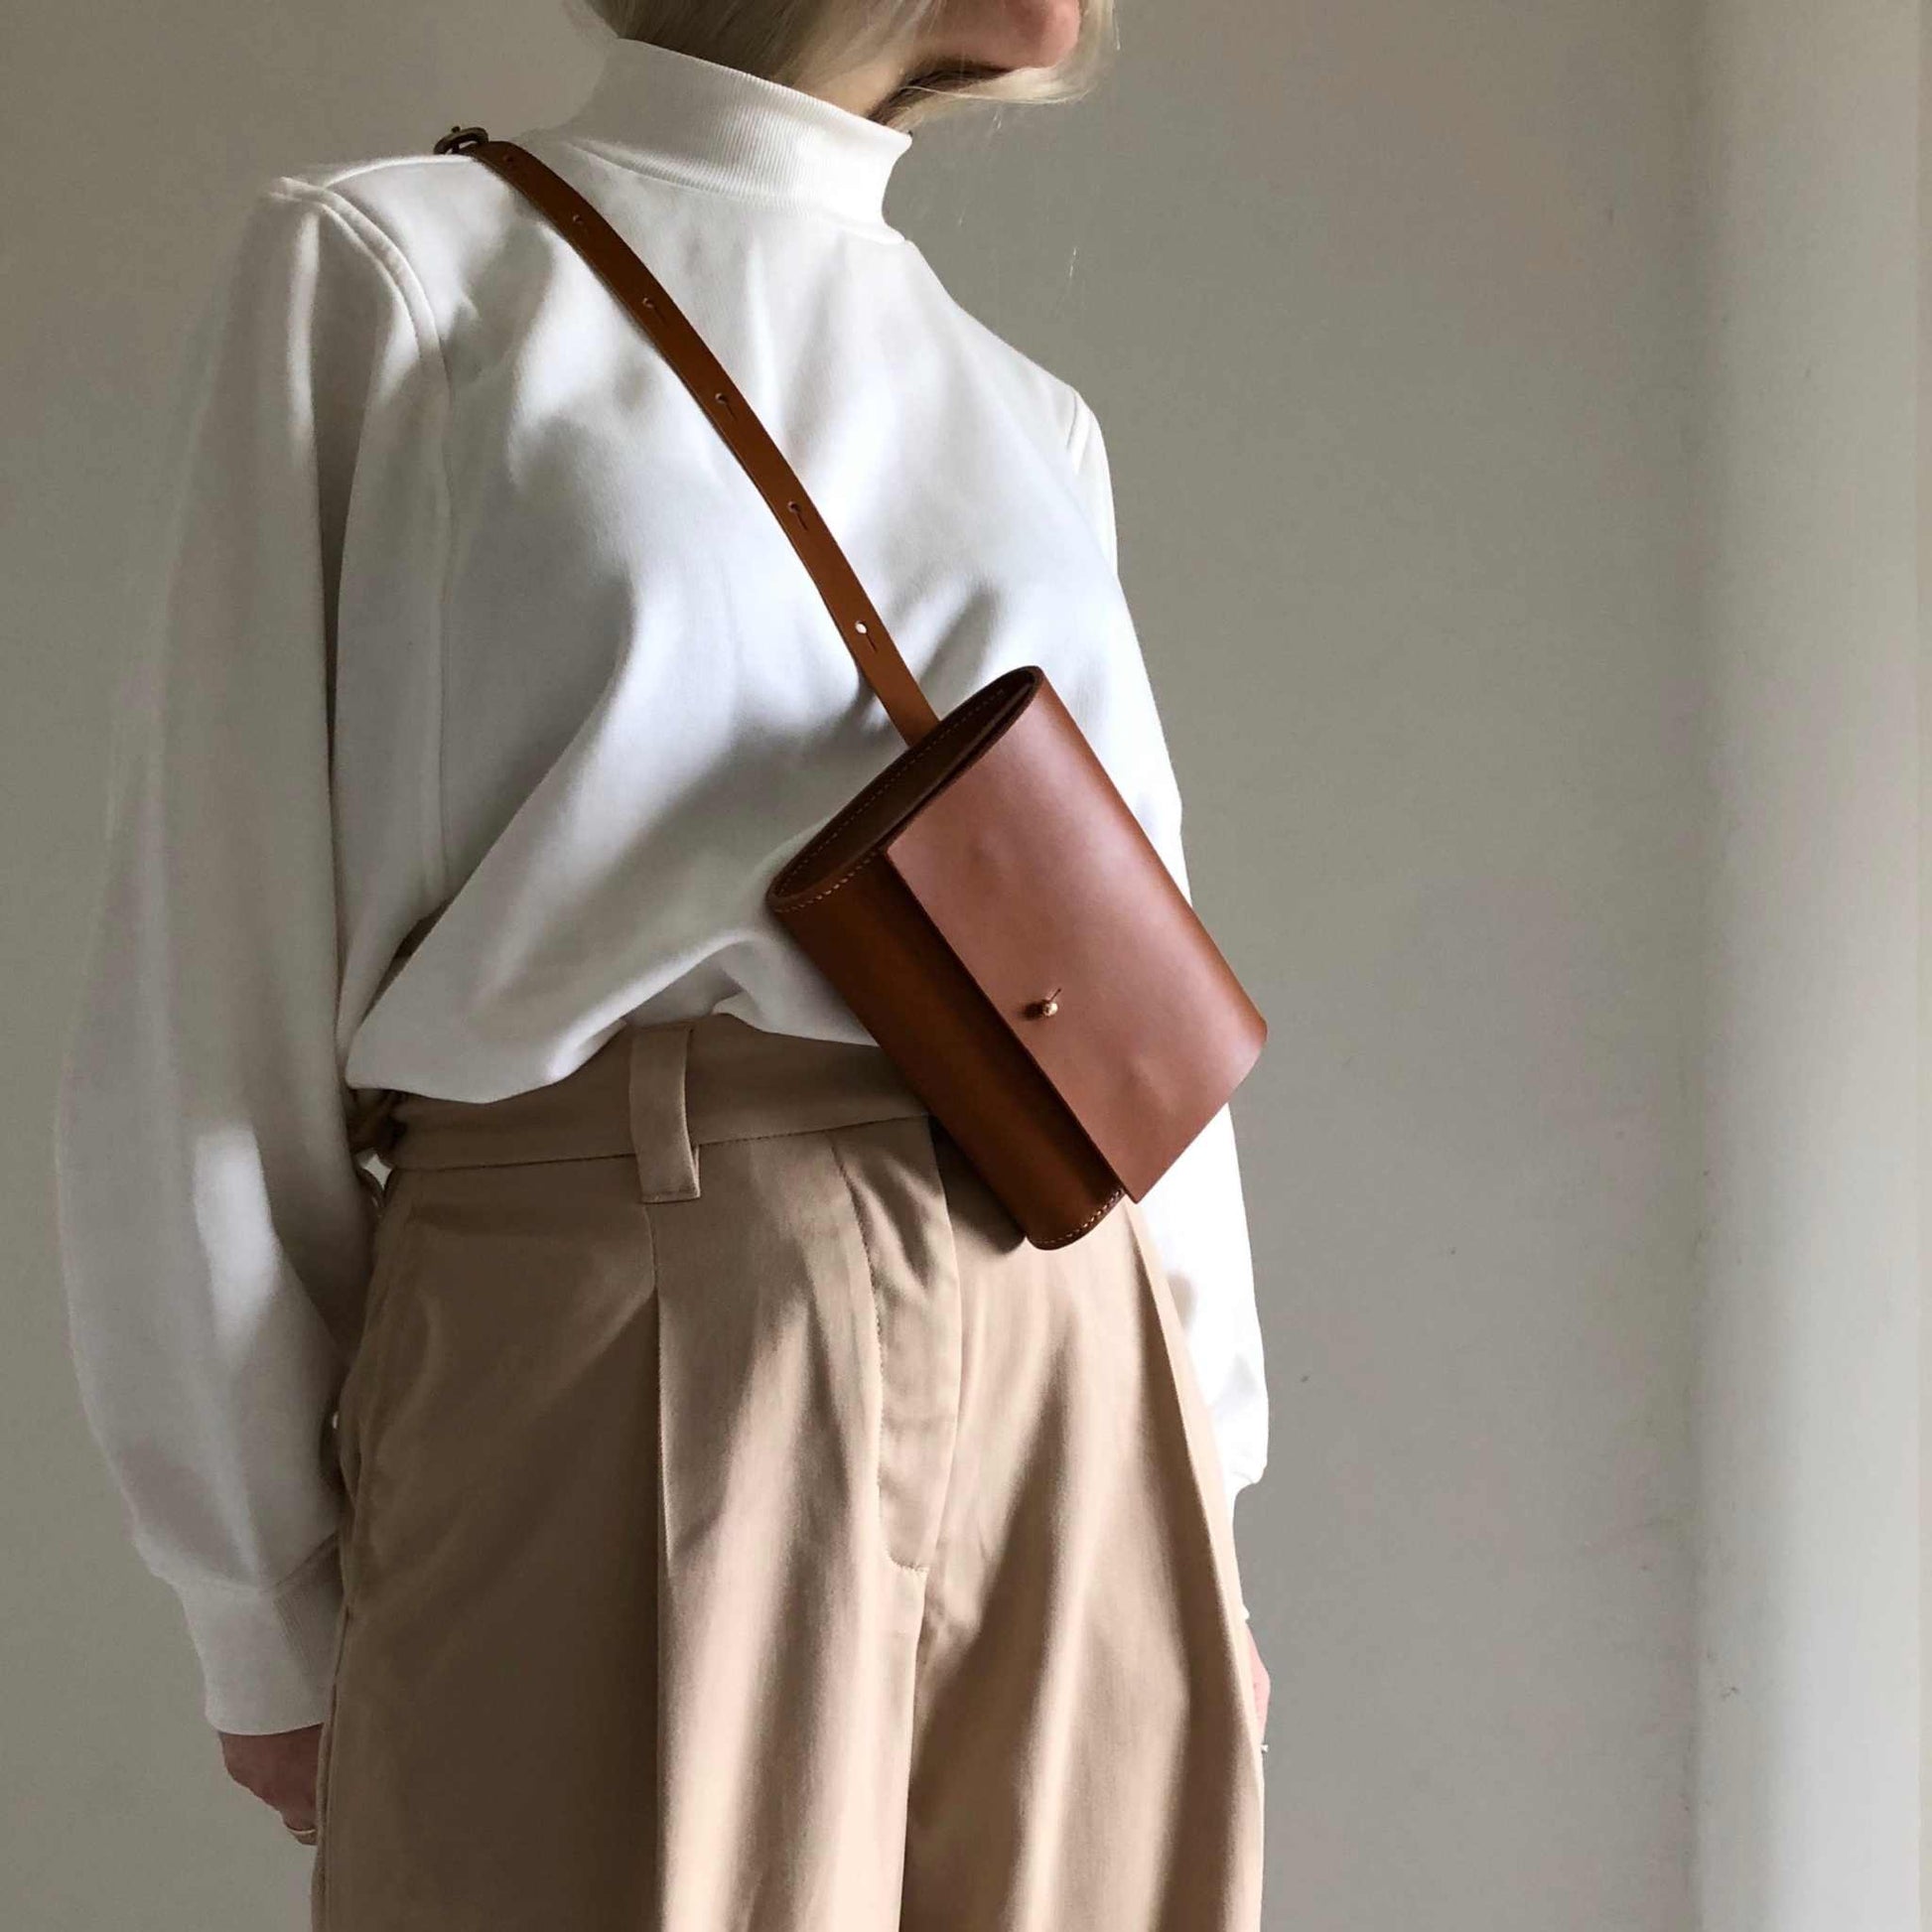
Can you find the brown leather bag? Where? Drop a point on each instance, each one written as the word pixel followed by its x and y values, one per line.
pixel 989 907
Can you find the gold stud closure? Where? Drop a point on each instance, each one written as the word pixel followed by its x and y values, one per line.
pixel 1047 1008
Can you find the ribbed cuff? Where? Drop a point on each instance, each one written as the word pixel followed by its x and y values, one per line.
pixel 267 1656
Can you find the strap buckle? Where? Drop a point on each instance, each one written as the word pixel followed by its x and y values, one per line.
pixel 461 138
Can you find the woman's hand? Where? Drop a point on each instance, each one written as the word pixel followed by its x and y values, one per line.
pixel 1260 1672
pixel 279 1767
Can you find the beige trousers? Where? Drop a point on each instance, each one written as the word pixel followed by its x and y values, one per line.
pixel 746 1531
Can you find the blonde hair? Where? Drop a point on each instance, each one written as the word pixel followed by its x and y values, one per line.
pixel 799 42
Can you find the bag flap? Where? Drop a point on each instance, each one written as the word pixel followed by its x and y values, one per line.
pixel 1046 889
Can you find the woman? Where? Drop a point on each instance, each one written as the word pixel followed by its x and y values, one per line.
pixel 689 1503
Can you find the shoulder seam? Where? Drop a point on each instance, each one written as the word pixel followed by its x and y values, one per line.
pixel 337 173
pixel 381 248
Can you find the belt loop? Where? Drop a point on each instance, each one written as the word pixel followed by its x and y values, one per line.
pixel 668 1162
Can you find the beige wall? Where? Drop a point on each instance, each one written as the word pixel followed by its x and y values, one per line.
pixel 1391 314
pixel 1809 1399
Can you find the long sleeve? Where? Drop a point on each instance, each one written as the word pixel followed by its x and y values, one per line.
pixel 1195 1212
pixel 209 1214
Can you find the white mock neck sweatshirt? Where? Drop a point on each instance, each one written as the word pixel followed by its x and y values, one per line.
pixel 460 605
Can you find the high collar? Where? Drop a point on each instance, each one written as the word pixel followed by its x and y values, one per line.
pixel 717 127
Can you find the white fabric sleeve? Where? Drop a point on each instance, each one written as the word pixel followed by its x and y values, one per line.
pixel 209 1211
pixel 1195 1212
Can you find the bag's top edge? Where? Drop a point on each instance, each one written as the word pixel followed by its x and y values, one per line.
pixel 806 874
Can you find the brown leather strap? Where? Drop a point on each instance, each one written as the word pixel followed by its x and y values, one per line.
pixel 614 262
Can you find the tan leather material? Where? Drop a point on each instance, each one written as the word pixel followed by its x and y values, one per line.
pixel 989 907
pixel 868 936
pixel 1052 898
pixel 987 872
